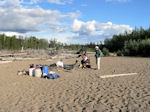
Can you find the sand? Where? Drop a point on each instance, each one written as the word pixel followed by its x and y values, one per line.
pixel 78 90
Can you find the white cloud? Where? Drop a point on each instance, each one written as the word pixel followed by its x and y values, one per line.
pixel 12 34
pixel 16 18
pixel 83 28
pixel 10 3
pixel 93 28
pixel 85 32
pixel 64 37
pixel 117 0
pixel 60 2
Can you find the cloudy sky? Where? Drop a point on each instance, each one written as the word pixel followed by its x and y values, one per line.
pixel 73 21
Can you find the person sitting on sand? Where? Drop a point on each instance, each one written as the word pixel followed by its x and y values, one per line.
pixel 85 62
pixel 60 64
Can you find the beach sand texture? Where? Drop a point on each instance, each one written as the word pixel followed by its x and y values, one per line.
pixel 79 90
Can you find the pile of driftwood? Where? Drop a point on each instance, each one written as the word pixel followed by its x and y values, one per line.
pixel 36 54
pixel 26 55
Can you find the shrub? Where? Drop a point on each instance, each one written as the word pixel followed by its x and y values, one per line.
pixel 105 52
pixel 119 53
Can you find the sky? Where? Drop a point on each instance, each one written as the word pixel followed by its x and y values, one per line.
pixel 73 21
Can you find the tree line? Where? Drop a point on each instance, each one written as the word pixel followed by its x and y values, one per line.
pixel 58 45
pixel 88 47
pixel 136 43
pixel 17 43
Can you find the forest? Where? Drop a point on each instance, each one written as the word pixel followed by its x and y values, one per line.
pixel 17 43
pixel 136 43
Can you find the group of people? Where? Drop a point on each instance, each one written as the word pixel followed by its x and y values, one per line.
pixel 85 62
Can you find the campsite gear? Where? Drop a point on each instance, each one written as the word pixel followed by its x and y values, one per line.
pixel 19 73
pixel 37 66
pixel 23 72
pixel 31 65
pixel 38 72
pixel 41 67
pixel 56 76
pixel 53 66
pixel 45 70
pixel 31 70
pixel 50 76
pixel 88 66
pixel 51 72
pixel 68 67
pixel 53 75
pixel 45 76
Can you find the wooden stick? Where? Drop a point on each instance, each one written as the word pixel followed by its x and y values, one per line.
pixel 117 75
pixel 1 62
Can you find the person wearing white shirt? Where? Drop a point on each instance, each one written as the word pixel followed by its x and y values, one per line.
pixel 60 64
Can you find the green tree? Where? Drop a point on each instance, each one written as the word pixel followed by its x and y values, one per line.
pixel 13 43
pixel 144 47
pixel 2 40
pixel 105 51
pixel 132 47
pixel 7 43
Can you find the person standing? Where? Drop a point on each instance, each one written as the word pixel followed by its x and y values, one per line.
pixel 98 57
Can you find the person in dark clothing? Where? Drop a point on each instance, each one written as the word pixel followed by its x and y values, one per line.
pixel 81 52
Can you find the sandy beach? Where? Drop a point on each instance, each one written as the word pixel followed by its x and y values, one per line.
pixel 78 90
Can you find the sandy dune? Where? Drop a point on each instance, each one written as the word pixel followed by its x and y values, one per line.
pixel 78 90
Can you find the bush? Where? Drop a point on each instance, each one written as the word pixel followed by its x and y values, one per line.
pixel 105 52
pixel 119 53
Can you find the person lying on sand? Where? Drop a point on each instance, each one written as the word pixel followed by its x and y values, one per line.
pixel 58 64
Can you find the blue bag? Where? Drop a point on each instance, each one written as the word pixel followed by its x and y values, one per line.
pixel 45 70
pixel 50 76
pixel 53 76
pixel 56 76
